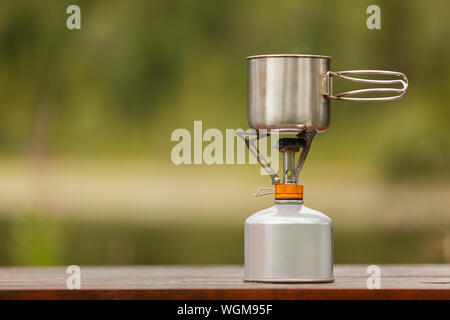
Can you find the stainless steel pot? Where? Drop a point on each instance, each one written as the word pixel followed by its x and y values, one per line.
pixel 292 92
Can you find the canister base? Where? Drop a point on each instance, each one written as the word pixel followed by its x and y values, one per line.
pixel 290 280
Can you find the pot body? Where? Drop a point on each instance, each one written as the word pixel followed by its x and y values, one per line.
pixel 285 92
pixel 289 243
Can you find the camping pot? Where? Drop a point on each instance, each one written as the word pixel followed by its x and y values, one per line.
pixel 292 92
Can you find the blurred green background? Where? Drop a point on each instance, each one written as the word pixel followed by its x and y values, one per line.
pixel 86 117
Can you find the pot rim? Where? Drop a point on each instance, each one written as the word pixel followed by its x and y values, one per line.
pixel 288 56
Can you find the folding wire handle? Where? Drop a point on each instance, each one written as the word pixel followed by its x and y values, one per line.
pixel 327 85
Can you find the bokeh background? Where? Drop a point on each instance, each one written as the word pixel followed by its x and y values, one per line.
pixel 86 117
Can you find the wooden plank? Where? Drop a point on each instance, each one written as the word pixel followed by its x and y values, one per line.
pixel 220 282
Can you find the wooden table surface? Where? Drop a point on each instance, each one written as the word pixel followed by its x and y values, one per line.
pixel 220 282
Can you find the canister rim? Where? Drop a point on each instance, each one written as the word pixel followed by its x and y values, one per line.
pixel 288 56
